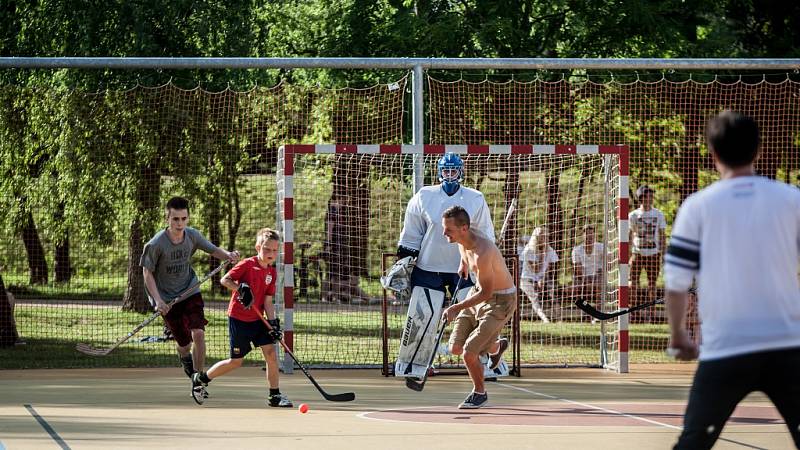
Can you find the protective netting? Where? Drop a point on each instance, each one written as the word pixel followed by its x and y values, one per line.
pixel 662 122
pixel 84 176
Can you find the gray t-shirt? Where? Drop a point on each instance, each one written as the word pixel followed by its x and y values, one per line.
pixel 171 264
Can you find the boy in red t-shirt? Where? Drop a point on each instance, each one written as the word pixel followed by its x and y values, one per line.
pixel 253 284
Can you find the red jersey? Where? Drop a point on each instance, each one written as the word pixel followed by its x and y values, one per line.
pixel 262 283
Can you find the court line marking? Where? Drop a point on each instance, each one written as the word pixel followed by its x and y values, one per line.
pixel 47 428
pixel 590 406
pixel 630 416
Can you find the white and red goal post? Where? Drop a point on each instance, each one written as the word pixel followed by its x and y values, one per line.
pixel 340 208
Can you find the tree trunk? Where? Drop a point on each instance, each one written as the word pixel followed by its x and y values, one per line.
pixel 37 264
pixel 215 236
pixel 135 298
pixel 555 216
pixel 351 187
pixel 8 327
pixel 62 266
pixel 234 216
pixel 148 191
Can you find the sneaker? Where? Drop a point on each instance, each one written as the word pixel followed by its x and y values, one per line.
pixel 279 401
pixel 199 393
pixel 474 401
pixel 497 356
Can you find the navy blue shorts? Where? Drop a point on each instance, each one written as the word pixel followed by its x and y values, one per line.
pixel 243 333
pixel 437 280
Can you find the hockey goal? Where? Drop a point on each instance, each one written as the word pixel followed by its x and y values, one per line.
pixel 340 209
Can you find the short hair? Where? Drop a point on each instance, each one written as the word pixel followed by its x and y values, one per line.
pixel 457 213
pixel 644 189
pixel 267 234
pixel 177 203
pixel 734 138
pixel 588 227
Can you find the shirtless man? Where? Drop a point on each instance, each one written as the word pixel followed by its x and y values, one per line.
pixel 481 317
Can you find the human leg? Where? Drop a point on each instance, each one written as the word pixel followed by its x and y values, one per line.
pixel 781 383
pixel 175 320
pixel 718 386
pixel 529 288
pixel 195 320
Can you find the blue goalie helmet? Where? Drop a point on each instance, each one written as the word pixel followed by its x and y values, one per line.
pixel 451 172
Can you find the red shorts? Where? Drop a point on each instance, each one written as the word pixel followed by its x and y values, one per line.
pixel 185 316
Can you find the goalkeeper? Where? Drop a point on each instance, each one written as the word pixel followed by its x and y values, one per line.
pixel 253 284
pixel 435 261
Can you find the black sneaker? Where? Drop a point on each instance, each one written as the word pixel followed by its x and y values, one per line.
pixel 199 393
pixel 279 401
pixel 474 401
pixel 499 355
pixel 188 365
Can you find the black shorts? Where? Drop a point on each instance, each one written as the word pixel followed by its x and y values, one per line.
pixel 184 317
pixel 243 333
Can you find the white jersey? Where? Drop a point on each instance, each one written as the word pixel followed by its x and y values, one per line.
pixel 648 227
pixel 741 238
pixel 422 227
pixel 591 264
pixel 529 260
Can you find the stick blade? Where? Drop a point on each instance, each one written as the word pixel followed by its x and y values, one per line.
pixel 343 397
pixel 87 349
pixel 415 384
pixel 588 309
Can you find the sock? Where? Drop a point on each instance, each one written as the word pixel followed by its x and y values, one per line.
pixel 275 391
pixel 204 377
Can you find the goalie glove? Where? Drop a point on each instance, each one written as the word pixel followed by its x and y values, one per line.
pixel 398 277
pixel 245 295
pixel 275 332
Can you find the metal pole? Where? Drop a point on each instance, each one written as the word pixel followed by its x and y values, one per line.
pixel 24 62
pixel 418 125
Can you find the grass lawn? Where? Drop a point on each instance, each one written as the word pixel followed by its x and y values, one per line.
pixel 348 335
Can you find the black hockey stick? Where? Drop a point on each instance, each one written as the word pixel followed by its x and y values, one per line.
pixel 592 311
pixel 344 397
pixel 418 384
pixel 87 349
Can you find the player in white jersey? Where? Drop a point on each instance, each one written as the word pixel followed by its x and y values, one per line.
pixel 740 237
pixel 422 236
pixel 437 260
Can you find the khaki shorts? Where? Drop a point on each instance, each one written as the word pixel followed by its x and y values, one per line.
pixel 477 328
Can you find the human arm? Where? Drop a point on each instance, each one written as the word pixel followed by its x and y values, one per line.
pixel 679 340
pixel 482 292
pixel 681 265
pixel 152 289
pixel 483 220
pixel 414 229
pixel 224 255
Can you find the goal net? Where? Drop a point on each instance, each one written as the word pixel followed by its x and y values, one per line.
pixel 333 257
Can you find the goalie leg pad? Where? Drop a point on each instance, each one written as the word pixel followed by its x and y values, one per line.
pixel 419 334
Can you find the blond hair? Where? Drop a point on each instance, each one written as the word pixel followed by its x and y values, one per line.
pixel 266 234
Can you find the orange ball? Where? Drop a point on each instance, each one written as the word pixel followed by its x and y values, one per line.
pixel 303 408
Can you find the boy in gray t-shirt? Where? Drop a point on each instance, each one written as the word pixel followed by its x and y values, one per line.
pixel 166 265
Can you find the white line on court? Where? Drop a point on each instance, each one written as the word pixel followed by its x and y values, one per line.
pixel 590 406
